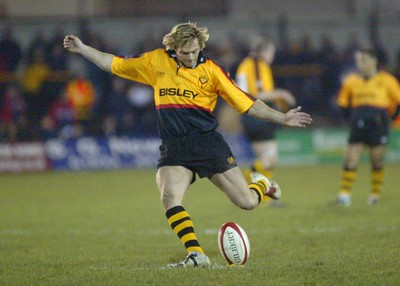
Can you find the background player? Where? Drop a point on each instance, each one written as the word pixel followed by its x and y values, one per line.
pixel 366 97
pixel 254 76
pixel 186 87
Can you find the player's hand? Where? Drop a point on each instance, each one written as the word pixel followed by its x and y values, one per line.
pixel 72 43
pixel 295 118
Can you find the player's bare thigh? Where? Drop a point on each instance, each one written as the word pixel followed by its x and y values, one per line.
pixel 173 181
pixel 234 185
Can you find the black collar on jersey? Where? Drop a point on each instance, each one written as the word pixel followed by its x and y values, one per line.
pixel 200 60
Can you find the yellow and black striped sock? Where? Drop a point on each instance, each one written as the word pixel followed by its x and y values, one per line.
pixel 260 188
pixel 259 167
pixel 182 225
pixel 347 180
pixel 377 176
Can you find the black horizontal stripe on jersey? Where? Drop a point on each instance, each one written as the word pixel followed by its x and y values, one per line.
pixel 182 120
pixel 161 106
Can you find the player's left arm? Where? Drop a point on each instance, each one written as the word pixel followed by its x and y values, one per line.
pixel 396 112
pixel 344 98
pixel 244 102
pixel 294 117
pixel 394 94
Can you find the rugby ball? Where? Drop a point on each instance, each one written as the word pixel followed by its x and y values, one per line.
pixel 233 243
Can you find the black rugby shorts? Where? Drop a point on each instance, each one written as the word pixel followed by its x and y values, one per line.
pixel 204 154
pixel 370 131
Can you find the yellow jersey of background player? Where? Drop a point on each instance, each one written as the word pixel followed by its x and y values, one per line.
pixel 255 75
pixel 370 97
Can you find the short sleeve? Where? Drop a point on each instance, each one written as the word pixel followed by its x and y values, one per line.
pixel 137 69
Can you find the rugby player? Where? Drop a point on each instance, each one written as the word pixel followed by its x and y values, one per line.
pixel 254 76
pixel 366 97
pixel 186 87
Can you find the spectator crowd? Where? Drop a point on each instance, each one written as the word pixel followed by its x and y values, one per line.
pixel 45 92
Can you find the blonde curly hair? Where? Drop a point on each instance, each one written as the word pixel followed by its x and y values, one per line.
pixel 185 33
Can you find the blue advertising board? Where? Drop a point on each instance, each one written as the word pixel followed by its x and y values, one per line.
pixel 89 153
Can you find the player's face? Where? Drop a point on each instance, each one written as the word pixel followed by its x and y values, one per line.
pixel 187 54
pixel 366 64
pixel 268 54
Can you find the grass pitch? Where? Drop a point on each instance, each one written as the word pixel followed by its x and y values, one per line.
pixel 108 228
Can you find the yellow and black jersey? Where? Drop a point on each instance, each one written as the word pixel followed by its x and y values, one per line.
pixel 367 97
pixel 254 75
pixel 184 97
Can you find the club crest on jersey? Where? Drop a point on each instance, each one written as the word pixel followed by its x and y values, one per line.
pixel 231 160
pixel 160 74
pixel 203 82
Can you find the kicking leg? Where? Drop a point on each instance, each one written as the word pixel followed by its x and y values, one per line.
pixel 245 196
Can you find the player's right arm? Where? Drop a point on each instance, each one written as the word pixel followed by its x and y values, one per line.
pixel 75 45
pixel 343 99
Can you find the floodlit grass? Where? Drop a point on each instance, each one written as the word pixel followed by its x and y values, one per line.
pixel 108 228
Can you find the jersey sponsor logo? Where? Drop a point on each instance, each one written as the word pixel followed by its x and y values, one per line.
pixel 178 92
pixel 202 82
pixel 364 95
